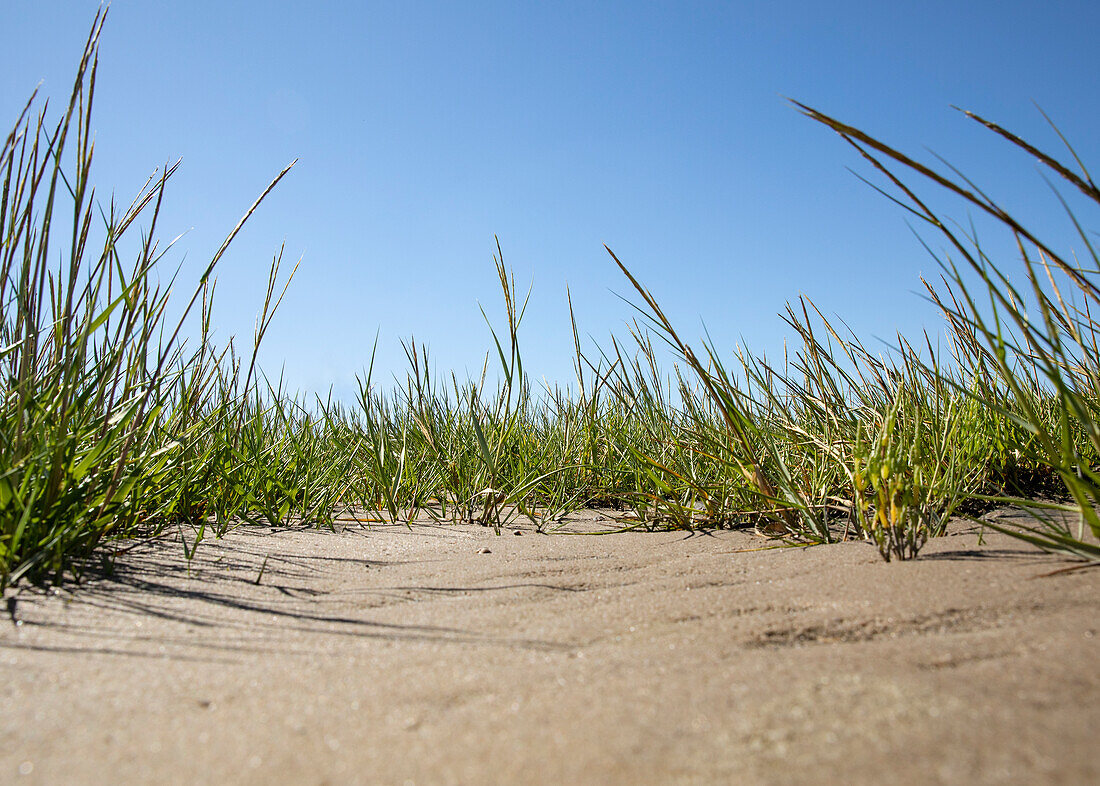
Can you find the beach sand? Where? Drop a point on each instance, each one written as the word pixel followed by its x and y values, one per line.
pixel 392 654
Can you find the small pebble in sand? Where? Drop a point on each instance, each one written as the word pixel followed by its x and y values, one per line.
pixel 484 550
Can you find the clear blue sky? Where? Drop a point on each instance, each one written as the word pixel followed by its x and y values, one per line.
pixel 659 128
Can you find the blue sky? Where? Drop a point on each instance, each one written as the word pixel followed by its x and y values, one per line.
pixel 423 129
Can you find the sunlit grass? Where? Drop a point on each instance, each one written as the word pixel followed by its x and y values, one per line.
pixel 120 419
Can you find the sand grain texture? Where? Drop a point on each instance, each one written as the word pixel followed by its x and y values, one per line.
pixel 398 655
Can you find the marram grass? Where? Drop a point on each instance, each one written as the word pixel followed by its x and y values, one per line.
pixel 120 418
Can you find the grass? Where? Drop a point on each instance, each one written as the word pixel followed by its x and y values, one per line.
pixel 120 417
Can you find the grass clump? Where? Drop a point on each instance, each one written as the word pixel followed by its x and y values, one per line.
pixel 1030 357
pixel 110 424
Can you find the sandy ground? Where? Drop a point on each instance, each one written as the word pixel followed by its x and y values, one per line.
pixel 398 655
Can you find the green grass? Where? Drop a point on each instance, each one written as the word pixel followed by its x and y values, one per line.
pixel 120 418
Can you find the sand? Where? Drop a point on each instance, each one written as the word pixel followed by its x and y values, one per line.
pixel 407 655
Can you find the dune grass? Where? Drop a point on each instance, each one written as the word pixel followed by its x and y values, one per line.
pixel 111 424
pixel 120 419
